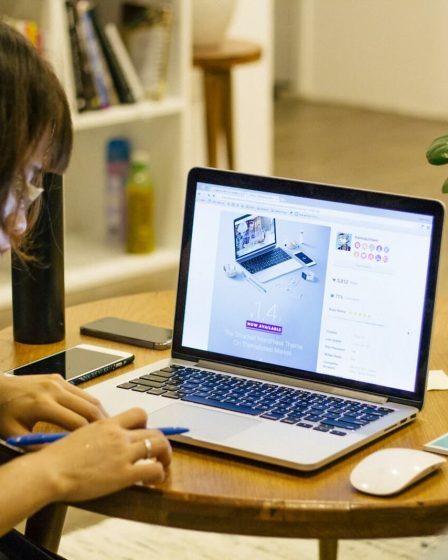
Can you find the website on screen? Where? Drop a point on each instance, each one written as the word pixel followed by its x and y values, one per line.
pixel 350 306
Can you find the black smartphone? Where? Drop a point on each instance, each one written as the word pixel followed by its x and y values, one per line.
pixel 305 259
pixel 77 364
pixel 129 332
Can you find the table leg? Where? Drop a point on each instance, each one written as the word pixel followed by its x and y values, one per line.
pixel 218 114
pixel 45 527
pixel 213 104
pixel 228 117
pixel 328 549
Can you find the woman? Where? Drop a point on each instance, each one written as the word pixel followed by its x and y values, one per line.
pixel 102 454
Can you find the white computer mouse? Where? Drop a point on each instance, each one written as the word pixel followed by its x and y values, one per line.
pixel 389 471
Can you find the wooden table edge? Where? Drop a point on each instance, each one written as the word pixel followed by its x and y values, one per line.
pixel 377 518
pixel 270 518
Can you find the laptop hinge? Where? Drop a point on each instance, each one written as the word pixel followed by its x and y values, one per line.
pixel 300 383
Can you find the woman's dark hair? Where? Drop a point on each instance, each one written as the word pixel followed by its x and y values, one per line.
pixel 33 106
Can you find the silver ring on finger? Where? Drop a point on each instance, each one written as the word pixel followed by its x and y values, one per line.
pixel 148 446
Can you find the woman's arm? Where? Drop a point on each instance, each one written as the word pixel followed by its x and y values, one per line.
pixel 47 398
pixel 95 460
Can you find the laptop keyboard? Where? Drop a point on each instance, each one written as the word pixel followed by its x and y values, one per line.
pixel 289 405
pixel 262 262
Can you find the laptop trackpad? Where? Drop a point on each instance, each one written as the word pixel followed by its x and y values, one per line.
pixel 209 425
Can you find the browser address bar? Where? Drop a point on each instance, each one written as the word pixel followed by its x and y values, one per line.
pixel 269 204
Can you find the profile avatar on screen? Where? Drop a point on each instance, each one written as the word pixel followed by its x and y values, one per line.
pixel 344 242
pixel 256 248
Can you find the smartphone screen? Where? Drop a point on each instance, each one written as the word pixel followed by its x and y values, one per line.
pixel 304 258
pixel 77 364
pixel 129 332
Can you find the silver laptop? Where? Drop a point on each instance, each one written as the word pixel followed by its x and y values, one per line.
pixel 256 249
pixel 319 361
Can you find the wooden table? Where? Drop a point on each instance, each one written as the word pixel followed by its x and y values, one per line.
pixel 211 492
pixel 216 63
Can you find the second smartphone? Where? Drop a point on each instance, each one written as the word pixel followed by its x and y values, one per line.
pixel 78 363
pixel 129 332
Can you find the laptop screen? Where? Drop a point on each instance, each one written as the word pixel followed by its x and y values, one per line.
pixel 253 234
pixel 356 313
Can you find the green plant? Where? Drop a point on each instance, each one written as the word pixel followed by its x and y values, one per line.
pixel 437 154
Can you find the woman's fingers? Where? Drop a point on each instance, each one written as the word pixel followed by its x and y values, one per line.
pixel 150 444
pixel 149 473
pixel 75 398
pixel 107 455
pixel 140 434
pixel 89 410
pixel 81 393
pixel 44 397
pixel 132 418
pixel 61 416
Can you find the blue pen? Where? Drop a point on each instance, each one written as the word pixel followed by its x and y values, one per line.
pixel 37 439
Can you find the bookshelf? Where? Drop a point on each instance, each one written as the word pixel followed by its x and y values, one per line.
pixel 94 268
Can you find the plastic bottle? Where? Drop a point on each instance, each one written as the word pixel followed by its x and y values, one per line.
pixel 140 202
pixel 117 174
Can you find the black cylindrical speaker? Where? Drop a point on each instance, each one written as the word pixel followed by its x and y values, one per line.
pixel 38 291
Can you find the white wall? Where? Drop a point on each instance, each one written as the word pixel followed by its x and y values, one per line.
pixel 286 41
pixel 384 54
pixel 253 114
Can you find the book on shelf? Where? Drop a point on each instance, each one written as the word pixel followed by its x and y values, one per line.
pixel 29 29
pixel 124 60
pixel 85 91
pixel 78 64
pixel 121 84
pixel 147 30
pixel 102 78
pixel 102 69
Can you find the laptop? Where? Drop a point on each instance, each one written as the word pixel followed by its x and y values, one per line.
pixel 256 250
pixel 301 370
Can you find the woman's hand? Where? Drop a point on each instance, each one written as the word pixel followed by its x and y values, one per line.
pixel 26 400
pixel 104 457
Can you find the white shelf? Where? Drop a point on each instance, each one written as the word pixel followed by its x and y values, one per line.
pixel 136 112
pixel 92 268
pixel 88 264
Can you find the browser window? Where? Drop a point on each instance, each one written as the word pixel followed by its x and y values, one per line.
pixel 337 313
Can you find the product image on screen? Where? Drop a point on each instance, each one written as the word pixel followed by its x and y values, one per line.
pixel 253 233
pixel 307 261
pixel 77 364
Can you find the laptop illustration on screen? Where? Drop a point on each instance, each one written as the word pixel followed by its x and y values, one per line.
pixel 320 361
pixel 256 248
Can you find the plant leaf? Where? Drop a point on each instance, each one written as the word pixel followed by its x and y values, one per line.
pixel 437 153
pixel 445 186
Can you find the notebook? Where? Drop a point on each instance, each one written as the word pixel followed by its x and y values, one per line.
pixel 302 369
pixel 256 249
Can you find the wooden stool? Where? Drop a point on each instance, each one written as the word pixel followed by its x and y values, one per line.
pixel 216 63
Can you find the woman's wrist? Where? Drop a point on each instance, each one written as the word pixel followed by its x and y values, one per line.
pixel 37 474
pixel 28 484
